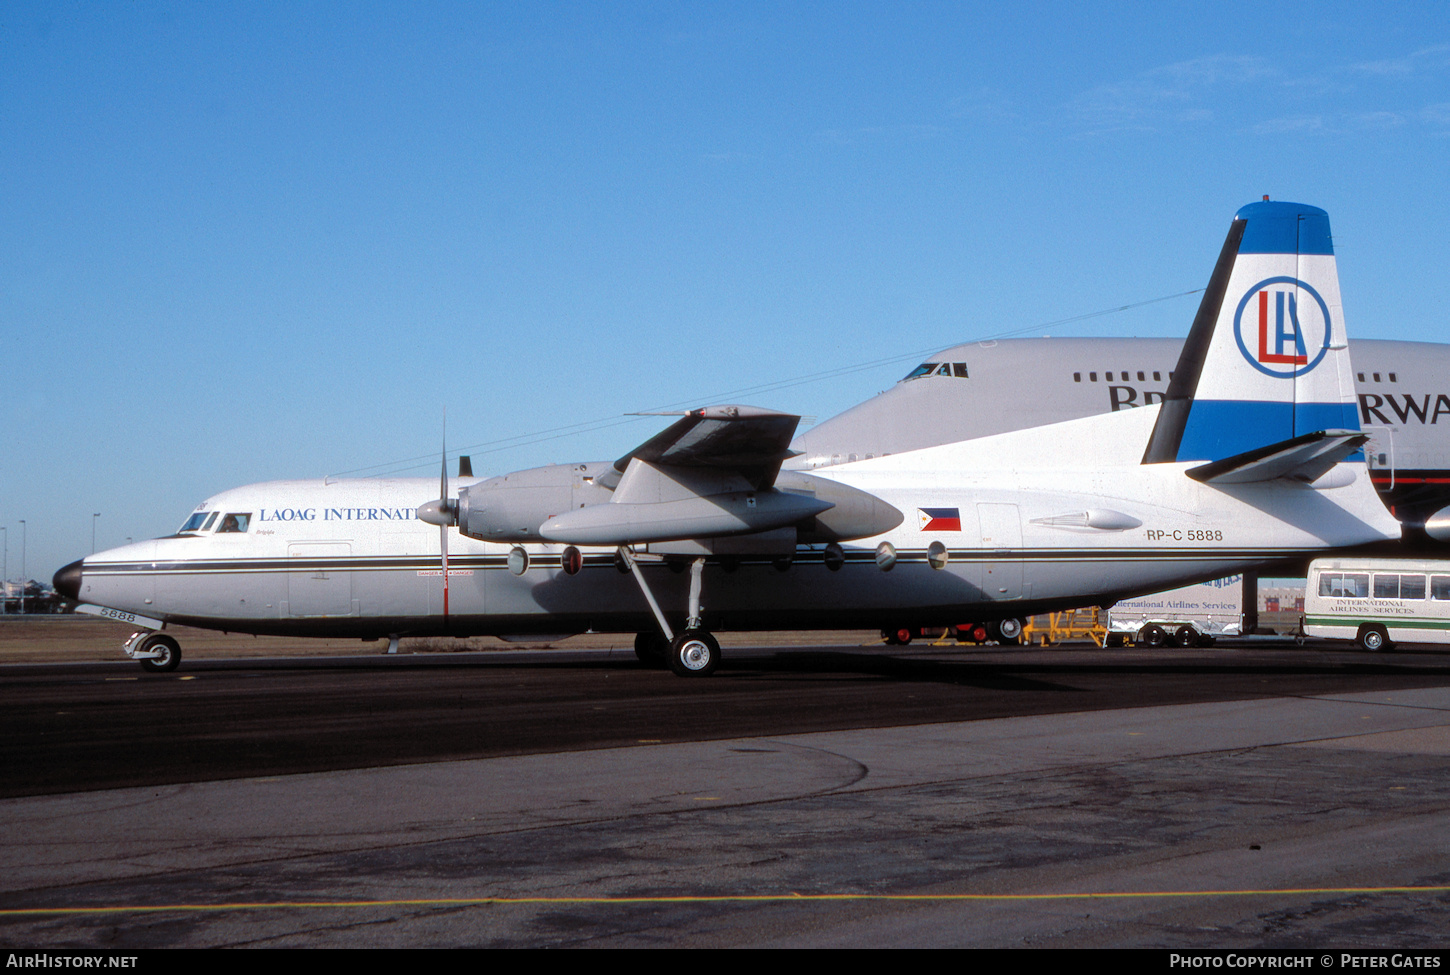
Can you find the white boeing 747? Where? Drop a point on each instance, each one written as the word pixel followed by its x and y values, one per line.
pixel 1253 455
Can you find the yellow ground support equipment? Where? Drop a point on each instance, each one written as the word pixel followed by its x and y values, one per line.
pixel 1072 624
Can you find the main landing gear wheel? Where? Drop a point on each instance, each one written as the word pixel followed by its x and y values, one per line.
pixel 1374 639
pixel 694 653
pixel 1008 632
pixel 167 647
pixel 652 649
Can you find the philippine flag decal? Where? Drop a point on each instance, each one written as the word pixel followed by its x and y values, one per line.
pixel 940 519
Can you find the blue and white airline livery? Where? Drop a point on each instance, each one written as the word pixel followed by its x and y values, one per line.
pixel 1253 455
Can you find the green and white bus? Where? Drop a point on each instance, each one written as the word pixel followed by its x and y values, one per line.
pixel 1378 602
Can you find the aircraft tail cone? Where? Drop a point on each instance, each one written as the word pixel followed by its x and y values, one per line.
pixel 67 581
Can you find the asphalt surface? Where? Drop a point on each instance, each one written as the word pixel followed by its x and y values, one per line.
pixel 1252 796
pixel 67 728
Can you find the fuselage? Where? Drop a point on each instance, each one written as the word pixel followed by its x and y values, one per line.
pixel 988 533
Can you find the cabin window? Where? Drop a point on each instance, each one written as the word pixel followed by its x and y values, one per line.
pixel 1077 377
pixel 1157 376
pixel 235 522
pixel 1141 377
pixel 1440 587
pixel 925 369
pixel 1353 585
pixel 959 369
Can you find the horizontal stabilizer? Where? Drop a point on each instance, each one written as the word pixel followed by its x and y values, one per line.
pixel 1305 458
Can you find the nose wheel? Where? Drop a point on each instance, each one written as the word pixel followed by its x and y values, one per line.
pixel 155 652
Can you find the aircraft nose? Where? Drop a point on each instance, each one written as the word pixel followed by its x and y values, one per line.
pixel 67 581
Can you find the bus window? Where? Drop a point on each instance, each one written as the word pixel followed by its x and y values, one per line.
pixel 1440 587
pixel 1344 584
pixel 1386 586
pixel 1412 587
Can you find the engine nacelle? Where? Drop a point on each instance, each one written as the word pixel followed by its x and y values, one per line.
pixel 511 507
pixel 854 513
pixel 516 507
pixel 1437 526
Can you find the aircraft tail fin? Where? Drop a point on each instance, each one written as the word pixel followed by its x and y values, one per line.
pixel 1266 361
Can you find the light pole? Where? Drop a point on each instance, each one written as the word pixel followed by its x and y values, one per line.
pixel 23 535
pixel 5 582
pixel 93 531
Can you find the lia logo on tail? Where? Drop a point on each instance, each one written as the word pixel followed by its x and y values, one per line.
pixel 1284 325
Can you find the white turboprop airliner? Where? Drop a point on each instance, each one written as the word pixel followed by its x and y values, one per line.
pixel 1253 456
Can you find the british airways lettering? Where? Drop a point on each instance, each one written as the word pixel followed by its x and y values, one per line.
pixel 1381 408
pixel 1404 406
pixel 339 514
pixel 1123 397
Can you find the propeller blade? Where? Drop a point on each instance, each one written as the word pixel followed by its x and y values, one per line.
pixel 447 517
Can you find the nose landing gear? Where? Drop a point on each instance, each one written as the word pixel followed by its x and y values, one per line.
pixel 156 652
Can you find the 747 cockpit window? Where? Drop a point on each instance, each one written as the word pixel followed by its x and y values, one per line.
pixel 957 370
pixel 201 521
pixel 235 523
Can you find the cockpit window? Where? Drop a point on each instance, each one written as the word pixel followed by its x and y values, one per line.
pixel 235 523
pixel 955 370
pixel 200 521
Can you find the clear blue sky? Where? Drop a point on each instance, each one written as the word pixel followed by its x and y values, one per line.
pixel 243 243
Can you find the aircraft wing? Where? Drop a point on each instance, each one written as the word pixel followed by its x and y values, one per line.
pixel 1304 458
pixel 709 474
pixel 747 439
